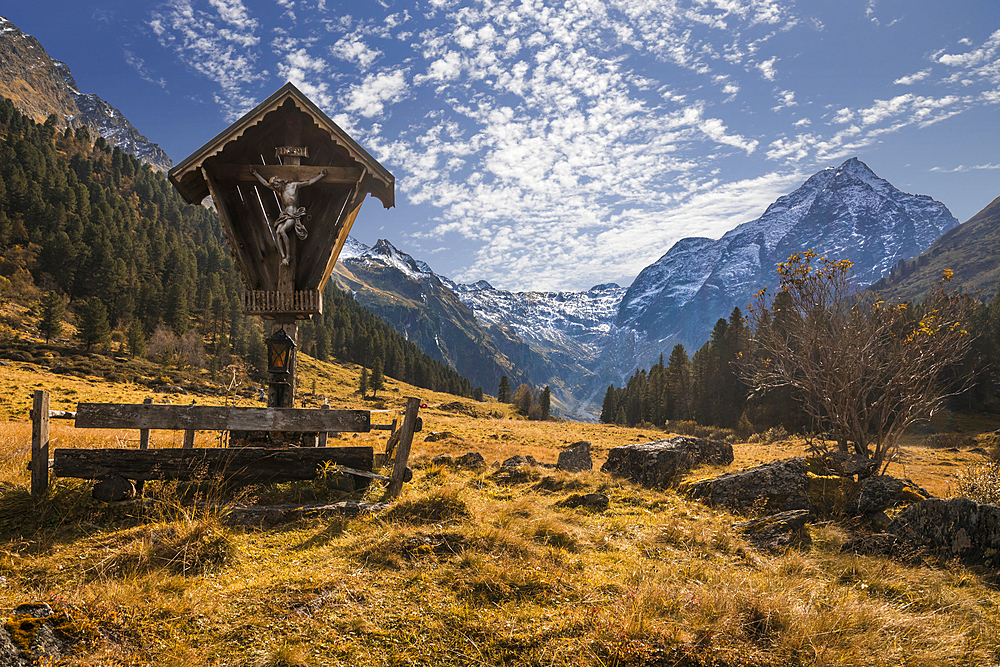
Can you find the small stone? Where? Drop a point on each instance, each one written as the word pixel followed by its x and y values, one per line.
pixel 113 488
pixel 594 501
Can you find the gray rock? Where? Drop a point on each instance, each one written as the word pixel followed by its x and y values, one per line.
pixel 518 461
pixel 957 528
pixel 10 656
pixel 46 646
pixel 576 458
pixel 33 610
pixel 435 436
pixel 113 489
pixel 878 494
pixel 472 460
pixel 777 532
pixel 661 463
pixel 781 485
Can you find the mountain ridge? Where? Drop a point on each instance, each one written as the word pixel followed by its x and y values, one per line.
pixel 40 86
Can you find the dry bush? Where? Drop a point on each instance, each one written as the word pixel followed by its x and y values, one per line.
pixel 438 506
pixel 949 440
pixel 980 482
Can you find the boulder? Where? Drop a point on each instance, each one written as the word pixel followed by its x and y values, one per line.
pixel 878 494
pixel 519 461
pixel 576 458
pixel 777 532
pixel 780 485
pixel 956 528
pixel 661 463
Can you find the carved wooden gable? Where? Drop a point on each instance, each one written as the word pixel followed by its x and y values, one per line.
pixel 286 137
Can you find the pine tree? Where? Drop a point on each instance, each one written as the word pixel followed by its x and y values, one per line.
pixel 136 339
pixel 503 393
pixel 363 382
pixel 378 379
pixel 94 327
pixel 50 324
pixel 545 402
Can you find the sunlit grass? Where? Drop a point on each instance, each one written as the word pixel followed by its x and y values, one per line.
pixel 468 567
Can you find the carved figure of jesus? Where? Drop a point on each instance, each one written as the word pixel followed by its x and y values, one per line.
pixel 291 212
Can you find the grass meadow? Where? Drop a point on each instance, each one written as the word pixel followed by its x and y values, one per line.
pixel 468 567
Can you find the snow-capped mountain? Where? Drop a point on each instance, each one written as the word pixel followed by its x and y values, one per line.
pixel 40 86
pixel 845 212
pixel 418 303
pixel 542 338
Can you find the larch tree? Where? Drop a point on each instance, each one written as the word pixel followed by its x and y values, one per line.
pixel 863 369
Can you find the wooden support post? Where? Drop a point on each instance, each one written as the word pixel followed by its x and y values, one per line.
pixel 403 449
pixel 40 444
pixel 322 435
pixel 188 439
pixel 143 444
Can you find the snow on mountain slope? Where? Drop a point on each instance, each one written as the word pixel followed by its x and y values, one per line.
pixel 847 212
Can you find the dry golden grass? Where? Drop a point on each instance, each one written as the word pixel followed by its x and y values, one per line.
pixel 472 568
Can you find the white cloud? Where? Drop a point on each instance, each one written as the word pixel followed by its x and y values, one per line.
pixel 212 50
pixel 786 98
pixel 767 68
pixel 911 79
pixel 353 49
pixel 371 95
pixel 962 169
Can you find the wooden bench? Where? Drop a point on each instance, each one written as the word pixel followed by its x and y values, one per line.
pixel 240 464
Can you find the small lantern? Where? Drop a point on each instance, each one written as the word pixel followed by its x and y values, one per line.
pixel 280 349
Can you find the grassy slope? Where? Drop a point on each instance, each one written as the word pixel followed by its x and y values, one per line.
pixel 466 569
pixel 970 250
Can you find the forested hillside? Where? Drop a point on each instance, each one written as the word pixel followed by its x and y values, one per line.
pixel 88 234
pixel 706 387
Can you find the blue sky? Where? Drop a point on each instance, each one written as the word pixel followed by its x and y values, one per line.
pixel 561 144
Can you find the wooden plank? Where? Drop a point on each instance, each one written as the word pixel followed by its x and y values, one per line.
pixel 241 464
pixel 403 448
pixel 219 418
pixel 40 444
pixel 241 173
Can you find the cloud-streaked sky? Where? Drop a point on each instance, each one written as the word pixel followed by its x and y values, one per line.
pixel 560 144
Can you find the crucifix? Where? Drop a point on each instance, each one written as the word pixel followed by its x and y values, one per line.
pixel 291 213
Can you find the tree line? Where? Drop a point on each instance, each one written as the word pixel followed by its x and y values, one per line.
pixel 89 234
pixel 723 384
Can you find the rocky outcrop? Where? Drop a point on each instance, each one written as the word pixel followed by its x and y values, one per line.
pixel 957 528
pixel 575 458
pixel 777 532
pixel 660 464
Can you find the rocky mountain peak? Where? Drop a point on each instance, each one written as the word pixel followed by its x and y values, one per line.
pixel 40 86
pixel 846 212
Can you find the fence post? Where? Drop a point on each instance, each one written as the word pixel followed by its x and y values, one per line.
pixel 403 448
pixel 143 444
pixel 322 436
pixel 40 444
